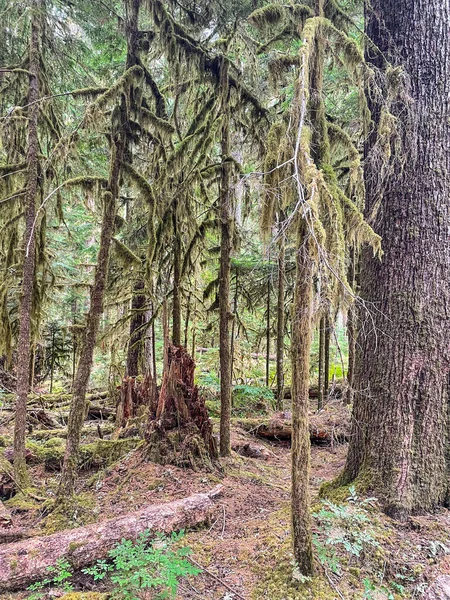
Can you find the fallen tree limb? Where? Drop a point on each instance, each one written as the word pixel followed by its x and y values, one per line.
pixel 21 563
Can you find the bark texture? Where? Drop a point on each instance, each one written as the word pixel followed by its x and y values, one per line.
pixel 280 321
pixel 301 345
pixel 23 562
pixel 179 430
pixel 24 353
pixel 77 407
pixel 137 330
pixel 400 422
pixel 226 237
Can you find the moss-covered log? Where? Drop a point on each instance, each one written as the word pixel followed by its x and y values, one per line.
pixel 23 562
pixel 94 455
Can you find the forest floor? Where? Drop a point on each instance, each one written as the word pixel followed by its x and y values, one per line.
pixel 245 549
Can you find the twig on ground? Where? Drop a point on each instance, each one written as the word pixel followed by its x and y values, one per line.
pixel 224 521
pixel 221 581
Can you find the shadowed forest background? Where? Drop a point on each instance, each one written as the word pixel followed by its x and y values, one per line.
pixel 224 299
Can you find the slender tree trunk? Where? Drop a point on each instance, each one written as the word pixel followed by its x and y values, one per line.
pixel 176 306
pixel 320 383
pixel 225 270
pixel 137 330
pixel 326 361
pixel 148 361
pixel 268 332
pixel 400 424
pixel 233 326
pixel 186 323
pixel 301 346
pixel 280 323
pixel 26 302
pixel 52 362
pixel 77 407
pixel 351 331
pixel 165 328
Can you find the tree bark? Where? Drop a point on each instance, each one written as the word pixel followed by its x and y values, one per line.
pixel 400 422
pixel 24 353
pixel 24 562
pixel 225 270
pixel 301 345
pixel 320 382
pixel 77 407
pixel 268 331
pixel 280 322
pixel 137 330
pixel 176 299
pixel 326 358
pixel 179 430
pixel 351 331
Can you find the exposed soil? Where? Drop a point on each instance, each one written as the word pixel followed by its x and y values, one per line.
pixel 247 541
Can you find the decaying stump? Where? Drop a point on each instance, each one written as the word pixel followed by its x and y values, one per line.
pixel 179 430
pixel 23 562
pixel 7 485
pixel 134 397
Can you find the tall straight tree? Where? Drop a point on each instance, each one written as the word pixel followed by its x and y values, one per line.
pixel 118 153
pixel 400 423
pixel 225 266
pixel 29 261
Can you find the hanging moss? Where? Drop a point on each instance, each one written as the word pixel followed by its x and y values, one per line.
pixel 267 15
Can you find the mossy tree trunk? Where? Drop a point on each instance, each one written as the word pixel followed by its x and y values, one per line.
pixel 176 298
pixel 137 330
pixel 280 322
pixel 77 407
pixel 400 423
pixel 301 346
pixel 24 353
pixel 351 331
pixel 268 316
pixel 326 366
pixel 226 235
pixel 320 383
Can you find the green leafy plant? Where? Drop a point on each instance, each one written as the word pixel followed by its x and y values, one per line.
pixel 252 399
pixel 60 576
pixel 146 568
pixel 346 526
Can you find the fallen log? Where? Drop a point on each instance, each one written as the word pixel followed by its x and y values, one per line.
pixel 22 563
pixel 336 391
pixel 328 427
pixel 13 534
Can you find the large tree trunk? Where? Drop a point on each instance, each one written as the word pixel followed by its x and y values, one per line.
pixel 400 431
pixel 301 345
pixel 24 353
pixel 225 271
pixel 21 563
